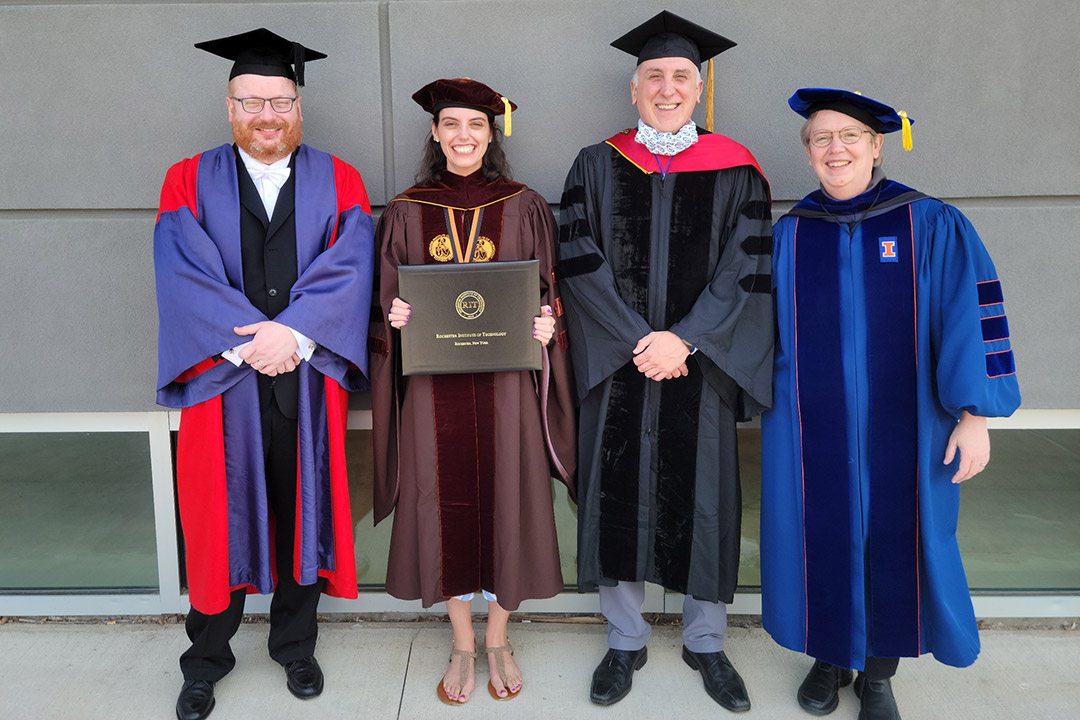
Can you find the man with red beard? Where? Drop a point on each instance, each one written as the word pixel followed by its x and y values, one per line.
pixel 261 249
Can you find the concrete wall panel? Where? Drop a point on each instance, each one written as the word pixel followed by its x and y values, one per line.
pixel 986 90
pixel 110 95
pixel 79 317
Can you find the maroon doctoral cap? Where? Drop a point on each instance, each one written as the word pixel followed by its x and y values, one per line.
pixel 467 93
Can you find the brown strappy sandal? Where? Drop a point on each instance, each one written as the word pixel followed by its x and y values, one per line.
pixel 464 675
pixel 500 667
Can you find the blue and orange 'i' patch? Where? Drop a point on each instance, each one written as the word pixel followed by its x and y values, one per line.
pixel 887 246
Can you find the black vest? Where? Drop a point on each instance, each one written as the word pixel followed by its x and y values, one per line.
pixel 268 255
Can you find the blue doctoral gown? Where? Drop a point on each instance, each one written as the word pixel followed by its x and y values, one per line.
pixel 891 323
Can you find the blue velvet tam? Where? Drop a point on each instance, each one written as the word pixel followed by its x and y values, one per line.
pixel 878 116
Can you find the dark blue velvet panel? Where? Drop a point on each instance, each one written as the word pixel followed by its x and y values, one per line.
pixel 1000 363
pixel 995 328
pixel 990 292
pixel 825 452
pixel 893 547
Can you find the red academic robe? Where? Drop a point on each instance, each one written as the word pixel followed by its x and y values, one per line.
pixel 222 496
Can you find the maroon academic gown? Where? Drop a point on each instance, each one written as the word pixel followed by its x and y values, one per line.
pixel 465 461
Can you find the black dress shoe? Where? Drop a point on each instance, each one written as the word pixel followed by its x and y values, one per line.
pixel 305 678
pixel 819 693
pixel 877 699
pixel 722 680
pixel 615 674
pixel 196 700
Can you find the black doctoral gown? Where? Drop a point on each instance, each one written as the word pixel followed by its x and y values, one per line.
pixel 689 252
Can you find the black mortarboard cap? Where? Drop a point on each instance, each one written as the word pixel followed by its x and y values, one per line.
pixel 878 116
pixel 668 35
pixel 261 52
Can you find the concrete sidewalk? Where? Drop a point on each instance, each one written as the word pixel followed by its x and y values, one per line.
pixel 390 670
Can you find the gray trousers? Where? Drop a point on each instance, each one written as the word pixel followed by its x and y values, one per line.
pixel 704 623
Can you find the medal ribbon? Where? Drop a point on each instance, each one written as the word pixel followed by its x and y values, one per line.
pixel 474 232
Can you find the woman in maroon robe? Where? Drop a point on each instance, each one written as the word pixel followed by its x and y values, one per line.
pixel 465 461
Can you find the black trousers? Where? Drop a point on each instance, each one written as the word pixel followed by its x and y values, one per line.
pixel 293 628
pixel 880 668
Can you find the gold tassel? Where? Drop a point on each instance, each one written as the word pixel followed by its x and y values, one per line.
pixel 905 131
pixel 506 116
pixel 709 100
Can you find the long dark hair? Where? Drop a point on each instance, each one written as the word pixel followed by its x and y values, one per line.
pixel 433 161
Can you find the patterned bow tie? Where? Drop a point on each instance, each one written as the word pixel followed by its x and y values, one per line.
pixel 664 143
pixel 276 175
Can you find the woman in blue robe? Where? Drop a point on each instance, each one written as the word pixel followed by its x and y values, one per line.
pixel 893 349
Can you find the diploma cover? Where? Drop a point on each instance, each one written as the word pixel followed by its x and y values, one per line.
pixel 470 317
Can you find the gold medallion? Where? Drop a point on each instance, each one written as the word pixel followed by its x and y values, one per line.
pixel 485 249
pixel 441 249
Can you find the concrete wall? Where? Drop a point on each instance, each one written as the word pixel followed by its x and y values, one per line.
pixel 89 131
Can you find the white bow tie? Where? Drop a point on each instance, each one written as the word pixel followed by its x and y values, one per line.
pixel 276 175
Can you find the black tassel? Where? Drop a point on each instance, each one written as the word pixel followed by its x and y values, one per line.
pixel 298 63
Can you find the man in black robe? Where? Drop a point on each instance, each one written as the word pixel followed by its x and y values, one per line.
pixel 664 264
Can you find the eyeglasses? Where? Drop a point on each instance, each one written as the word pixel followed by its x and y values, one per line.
pixel 255 104
pixel 848 136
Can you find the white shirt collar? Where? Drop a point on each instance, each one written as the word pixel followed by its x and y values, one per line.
pixel 267 188
pixel 252 162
